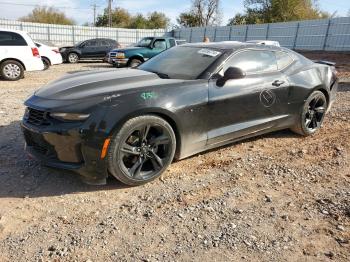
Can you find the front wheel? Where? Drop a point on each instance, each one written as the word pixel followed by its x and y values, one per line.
pixel 135 63
pixel 73 58
pixel 312 114
pixel 142 150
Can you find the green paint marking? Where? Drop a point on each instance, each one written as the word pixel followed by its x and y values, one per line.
pixel 149 95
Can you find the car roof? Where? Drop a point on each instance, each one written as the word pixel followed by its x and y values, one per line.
pixel 232 45
pixel 99 39
pixel 13 31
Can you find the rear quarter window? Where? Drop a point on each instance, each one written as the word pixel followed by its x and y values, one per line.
pixel 11 39
pixel 172 42
pixel 283 60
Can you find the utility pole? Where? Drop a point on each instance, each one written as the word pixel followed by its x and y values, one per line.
pixel 94 6
pixel 110 13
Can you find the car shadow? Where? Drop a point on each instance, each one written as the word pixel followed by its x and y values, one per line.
pixel 21 176
pixel 344 87
pixel 99 66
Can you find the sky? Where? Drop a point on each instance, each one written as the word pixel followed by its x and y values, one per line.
pixel 81 11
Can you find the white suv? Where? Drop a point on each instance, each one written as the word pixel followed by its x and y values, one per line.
pixel 17 54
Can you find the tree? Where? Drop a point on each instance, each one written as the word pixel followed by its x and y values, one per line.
pixel 188 20
pixel 122 18
pixel 238 19
pixel 157 20
pixel 202 13
pixel 138 21
pixel 272 11
pixel 47 15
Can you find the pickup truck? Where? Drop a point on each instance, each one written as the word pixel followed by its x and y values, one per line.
pixel 145 49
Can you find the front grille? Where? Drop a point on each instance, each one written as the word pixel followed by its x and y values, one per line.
pixel 38 143
pixel 112 55
pixel 37 117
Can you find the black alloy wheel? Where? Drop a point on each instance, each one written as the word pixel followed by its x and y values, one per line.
pixel 313 113
pixel 142 150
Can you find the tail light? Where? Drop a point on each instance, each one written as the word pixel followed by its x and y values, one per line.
pixel 35 52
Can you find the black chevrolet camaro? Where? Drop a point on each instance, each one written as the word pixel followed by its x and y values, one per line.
pixel 132 123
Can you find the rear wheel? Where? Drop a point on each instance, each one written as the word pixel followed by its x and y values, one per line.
pixel 142 150
pixel 11 70
pixel 312 114
pixel 73 58
pixel 46 62
pixel 135 62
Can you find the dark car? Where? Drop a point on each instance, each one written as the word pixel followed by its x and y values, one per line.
pixel 132 123
pixel 95 49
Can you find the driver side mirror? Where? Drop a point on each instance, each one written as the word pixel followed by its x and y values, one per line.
pixel 230 74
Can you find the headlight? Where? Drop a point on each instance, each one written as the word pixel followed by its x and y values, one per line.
pixel 26 113
pixel 62 49
pixel 120 55
pixel 69 116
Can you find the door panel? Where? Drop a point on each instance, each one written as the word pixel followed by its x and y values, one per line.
pixel 245 106
pixel 90 49
pixel 159 45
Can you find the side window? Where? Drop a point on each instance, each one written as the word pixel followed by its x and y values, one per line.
pixel 283 60
pixel 104 43
pixel 253 61
pixel 90 43
pixel 11 39
pixel 172 42
pixel 159 44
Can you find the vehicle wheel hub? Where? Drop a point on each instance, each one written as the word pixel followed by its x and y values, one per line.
pixel 145 152
pixel 315 113
pixel 12 71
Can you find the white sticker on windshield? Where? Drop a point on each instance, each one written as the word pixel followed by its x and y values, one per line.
pixel 209 52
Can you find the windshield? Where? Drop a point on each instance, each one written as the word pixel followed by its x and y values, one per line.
pixel 182 62
pixel 144 42
pixel 79 43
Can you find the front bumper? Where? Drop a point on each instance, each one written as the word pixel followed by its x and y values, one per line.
pixel 118 62
pixel 69 148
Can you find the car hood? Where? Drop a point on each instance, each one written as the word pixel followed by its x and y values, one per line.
pixel 66 47
pixel 130 48
pixel 88 84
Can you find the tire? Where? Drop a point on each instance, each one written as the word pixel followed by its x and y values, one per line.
pixel 46 63
pixel 11 70
pixel 135 62
pixel 73 58
pixel 312 114
pixel 142 150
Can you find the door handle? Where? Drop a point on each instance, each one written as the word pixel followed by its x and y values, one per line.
pixel 278 83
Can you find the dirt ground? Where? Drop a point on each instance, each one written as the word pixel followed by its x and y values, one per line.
pixel 277 197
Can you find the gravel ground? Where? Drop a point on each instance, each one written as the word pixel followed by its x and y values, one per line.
pixel 277 197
